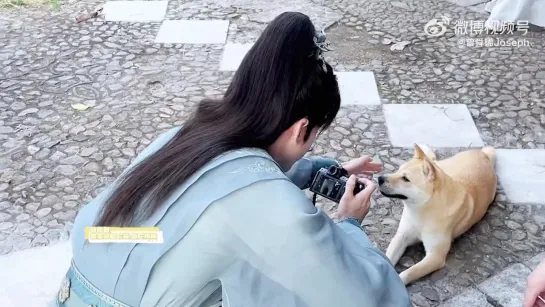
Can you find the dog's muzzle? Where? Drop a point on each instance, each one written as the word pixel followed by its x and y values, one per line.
pixel 385 190
pixel 397 196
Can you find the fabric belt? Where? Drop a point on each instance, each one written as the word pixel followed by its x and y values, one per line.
pixel 74 283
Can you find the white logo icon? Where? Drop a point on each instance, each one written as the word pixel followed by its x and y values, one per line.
pixel 435 28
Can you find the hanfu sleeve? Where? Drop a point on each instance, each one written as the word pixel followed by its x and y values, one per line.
pixel 296 245
pixel 303 171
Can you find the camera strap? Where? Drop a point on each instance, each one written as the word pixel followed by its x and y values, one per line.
pixel 314 199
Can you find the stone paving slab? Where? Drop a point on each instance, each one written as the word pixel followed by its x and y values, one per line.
pixel 233 54
pixel 507 288
pixel 468 298
pixel 135 11
pixel 358 88
pixel 521 173
pixel 32 277
pixel 435 125
pixel 193 32
pixel 533 262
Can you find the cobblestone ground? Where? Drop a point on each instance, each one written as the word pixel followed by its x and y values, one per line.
pixel 55 158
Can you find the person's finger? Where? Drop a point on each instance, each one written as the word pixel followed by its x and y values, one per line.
pixel 365 176
pixel 540 300
pixel 369 184
pixel 370 187
pixel 366 173
pixel 366 159
pixel 529 300
pixel 349 188
pixel 538 303
pixel 532 292
pixel 530 297
pixel 373 166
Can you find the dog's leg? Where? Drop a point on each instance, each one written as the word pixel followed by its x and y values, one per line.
pixel 397 247
pixel 437 248
pixel 404 237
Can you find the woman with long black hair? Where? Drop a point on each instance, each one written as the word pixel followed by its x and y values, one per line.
pixel 225 190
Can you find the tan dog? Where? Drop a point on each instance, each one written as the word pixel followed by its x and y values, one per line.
pixel 442 200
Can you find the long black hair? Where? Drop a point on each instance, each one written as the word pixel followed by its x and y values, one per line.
pixel 278 82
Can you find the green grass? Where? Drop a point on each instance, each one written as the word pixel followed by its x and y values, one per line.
pixel 27 3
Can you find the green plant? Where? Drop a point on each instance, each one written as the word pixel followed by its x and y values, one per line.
pixel 23 3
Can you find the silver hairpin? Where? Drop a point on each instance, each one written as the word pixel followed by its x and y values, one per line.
pixel 321 45
pixel 320 40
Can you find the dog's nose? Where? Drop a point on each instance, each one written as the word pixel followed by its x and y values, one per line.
pixel 381 180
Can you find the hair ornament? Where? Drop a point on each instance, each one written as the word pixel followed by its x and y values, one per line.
pixel 321 45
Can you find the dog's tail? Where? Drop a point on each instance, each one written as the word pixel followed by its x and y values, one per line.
pixel 490 152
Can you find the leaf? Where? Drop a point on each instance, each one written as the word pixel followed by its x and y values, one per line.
pixel 399 46
pixel 80 106
pixel 85 15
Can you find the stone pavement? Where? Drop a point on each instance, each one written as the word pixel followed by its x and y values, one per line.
pixel 78 101
pixel 504 289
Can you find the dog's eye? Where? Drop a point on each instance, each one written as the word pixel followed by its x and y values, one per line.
pixel 405 179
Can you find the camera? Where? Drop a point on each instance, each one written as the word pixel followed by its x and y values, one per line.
pixel 331 183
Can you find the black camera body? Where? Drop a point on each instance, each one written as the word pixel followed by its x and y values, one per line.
pixel 331 183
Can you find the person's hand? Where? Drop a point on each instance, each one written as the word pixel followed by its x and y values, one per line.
pixel 362 166
pixel 356 205
pixel 535 287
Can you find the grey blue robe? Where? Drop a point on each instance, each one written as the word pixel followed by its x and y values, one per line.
pixel 239 230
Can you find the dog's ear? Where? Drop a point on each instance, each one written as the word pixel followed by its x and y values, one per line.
pixel 429 170
pixel 418 152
